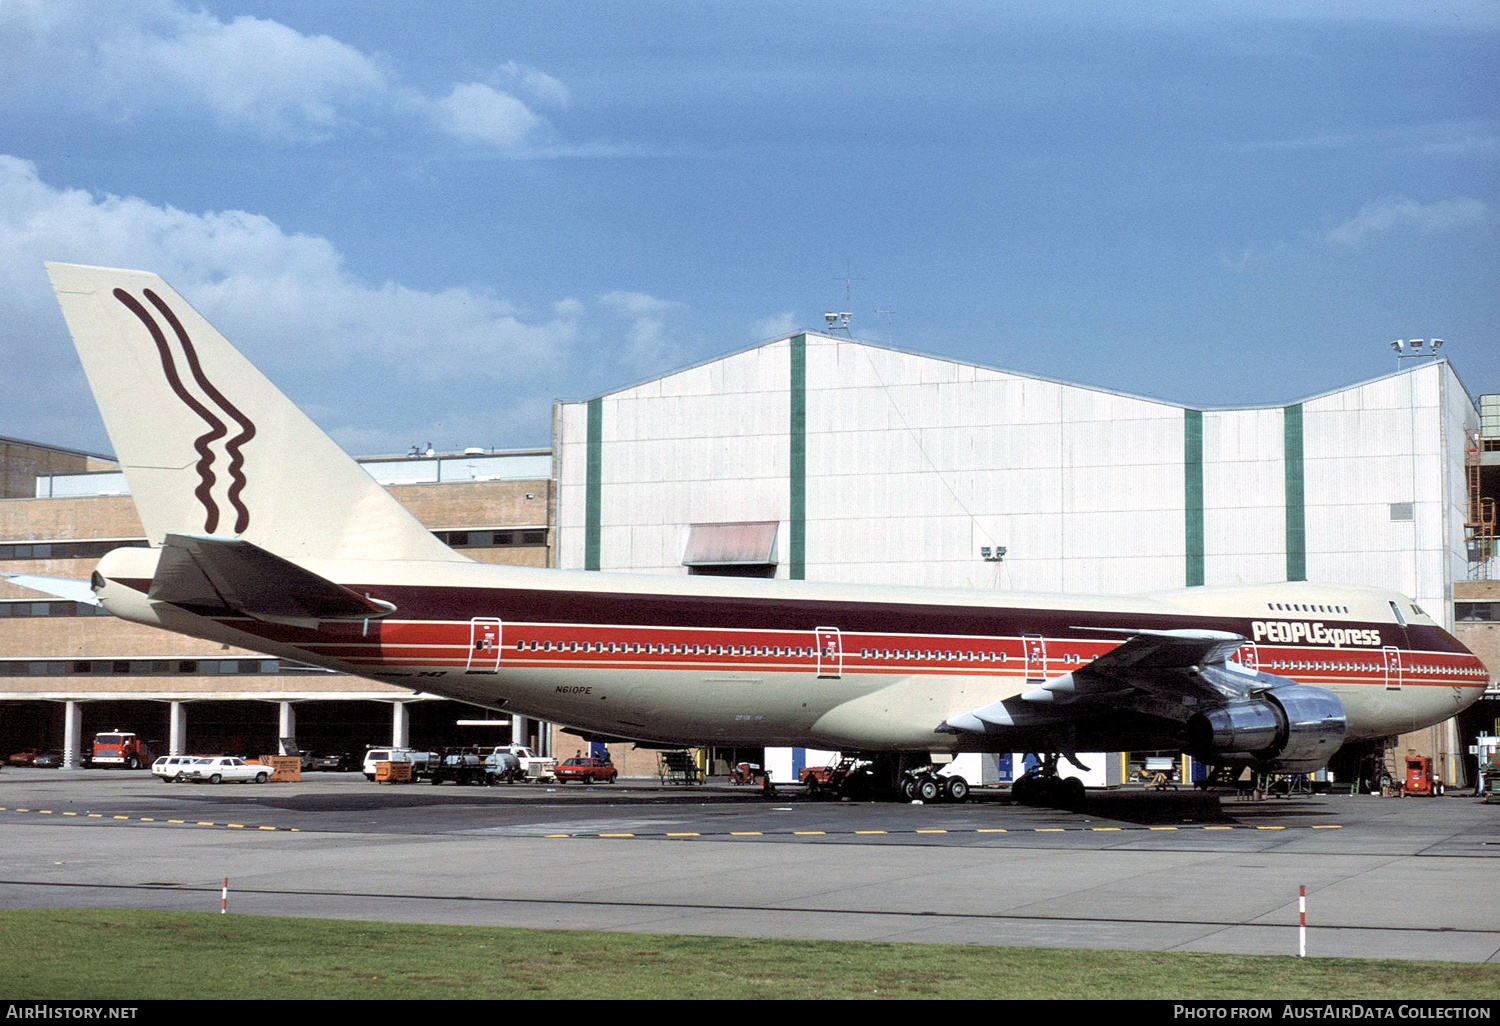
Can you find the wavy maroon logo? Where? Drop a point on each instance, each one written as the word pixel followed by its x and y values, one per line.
pixel 217 427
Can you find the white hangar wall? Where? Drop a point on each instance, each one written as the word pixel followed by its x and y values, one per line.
pixel 882 466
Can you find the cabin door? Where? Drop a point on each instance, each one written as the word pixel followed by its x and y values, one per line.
pixel 1392 668
pixel 1246 656
pixel 830 652
pixel 1036 656
pixel 484 645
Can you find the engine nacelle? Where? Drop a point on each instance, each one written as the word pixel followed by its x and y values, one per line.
pixel 1295 728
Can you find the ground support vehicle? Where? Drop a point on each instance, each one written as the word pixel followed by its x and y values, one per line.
pixel 421 762
pixel 539 768
pixel 459 765
pixel 503 766
pixel 587 770
pixel 120 748
pixel 678 767
pixel 1419 778
pixel 746 773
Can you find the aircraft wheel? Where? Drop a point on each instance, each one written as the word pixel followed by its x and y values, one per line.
pixel 1072 794
pixel 928 790
pixel 956 789
pixel 909 788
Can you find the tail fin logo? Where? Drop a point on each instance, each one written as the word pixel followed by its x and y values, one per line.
pixel 216 421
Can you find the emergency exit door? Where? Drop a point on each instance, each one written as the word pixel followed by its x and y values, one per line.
pixel 830 652
pixel 1036 656
pixel 484 645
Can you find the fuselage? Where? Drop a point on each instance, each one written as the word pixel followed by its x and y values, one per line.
pixel 696 660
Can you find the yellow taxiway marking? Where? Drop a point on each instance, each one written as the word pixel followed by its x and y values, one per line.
pixel 992 830
pixel 1050 830
pixel 204 822
pixel 92 815
pixel 745 833
pixel 617 835
pixel 932 831
pixel 23 810
pixel 1327 826
pixel 809 833
pixel 1270 828
pixel 176 821
pixel 869 831
pixel 685 834
pixel 1218 828
pixel 265 828
pixel 558 835
pixel 1105 830
pixel 70 813
pixel 235 826
pixel 45 812
pixel 1161 828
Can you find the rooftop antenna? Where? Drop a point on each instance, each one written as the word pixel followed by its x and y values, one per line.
pixel 842 321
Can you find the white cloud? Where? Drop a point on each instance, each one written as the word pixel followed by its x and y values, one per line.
pixel 1396 214
pixel 649 347
pixel 475 112
pixel 775 326
pixel 133 60
pixel 360 350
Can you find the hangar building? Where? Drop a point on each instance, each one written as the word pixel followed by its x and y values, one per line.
pixel 820 457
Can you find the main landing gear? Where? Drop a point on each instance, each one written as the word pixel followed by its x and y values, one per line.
pixel 925 785
pixel 1044 787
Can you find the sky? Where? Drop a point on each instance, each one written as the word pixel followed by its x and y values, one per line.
pixel 426 222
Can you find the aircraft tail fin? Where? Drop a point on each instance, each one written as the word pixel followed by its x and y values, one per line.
pixel 208 445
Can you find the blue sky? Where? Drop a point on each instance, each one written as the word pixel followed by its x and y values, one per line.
pixel 427 221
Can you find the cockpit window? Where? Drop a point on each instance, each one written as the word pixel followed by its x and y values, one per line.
pixel 1397 610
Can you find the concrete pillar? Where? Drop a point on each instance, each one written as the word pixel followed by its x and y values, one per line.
pixel 177 729
pixel 72 735
pixel 400 725
pixel 286 725
pixel 518 729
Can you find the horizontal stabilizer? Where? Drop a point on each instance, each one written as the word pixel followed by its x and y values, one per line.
pixel 230 573
pixel 63 587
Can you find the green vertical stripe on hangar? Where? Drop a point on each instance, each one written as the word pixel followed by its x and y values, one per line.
pixel 797 483
pixel 1296 513
pixel 593 484
pixel 1192 493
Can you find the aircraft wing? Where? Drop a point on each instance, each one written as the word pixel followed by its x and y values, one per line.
pixel 231 573
pixel 1163 673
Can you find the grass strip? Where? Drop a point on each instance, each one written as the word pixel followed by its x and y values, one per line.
pixel 114 954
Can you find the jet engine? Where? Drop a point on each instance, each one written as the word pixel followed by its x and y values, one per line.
pixel 1294 728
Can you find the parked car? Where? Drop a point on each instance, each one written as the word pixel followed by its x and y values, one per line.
pixel 336 762
pixel 174 767
pixel 219 768
pixel 25 757
pixel 587 770
pixel 50 759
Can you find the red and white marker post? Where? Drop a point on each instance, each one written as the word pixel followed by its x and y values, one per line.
pixel 1302 921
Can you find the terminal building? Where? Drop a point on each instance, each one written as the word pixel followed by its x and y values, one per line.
pixel 69 671
pixel 815 457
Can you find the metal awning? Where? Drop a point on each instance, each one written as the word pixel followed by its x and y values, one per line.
pixel 748 543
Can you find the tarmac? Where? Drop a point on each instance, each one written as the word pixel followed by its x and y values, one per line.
pixel 1413 878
